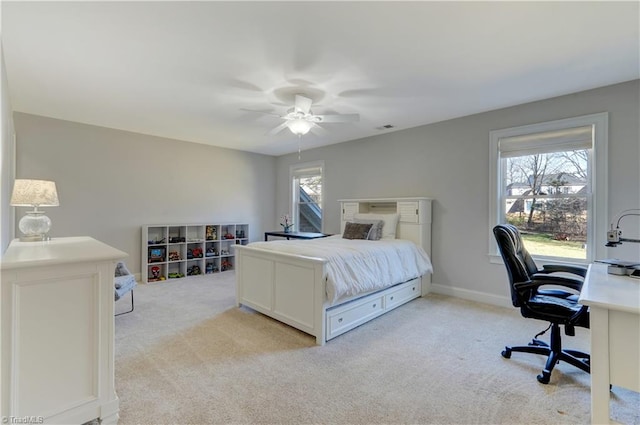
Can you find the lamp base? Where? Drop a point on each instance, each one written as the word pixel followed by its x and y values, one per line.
pixel 32 238
pixel 34 226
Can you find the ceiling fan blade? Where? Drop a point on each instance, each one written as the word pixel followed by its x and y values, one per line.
pixel 318 131
pixel 278 129
pixel 303 104
pixel 261 112
pixel 337 118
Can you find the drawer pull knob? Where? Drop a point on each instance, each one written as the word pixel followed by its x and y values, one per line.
pixel 413 289
pixel 340 320
pixel 391 298
pixel 374 306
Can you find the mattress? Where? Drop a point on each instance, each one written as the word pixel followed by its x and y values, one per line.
pixel 356 266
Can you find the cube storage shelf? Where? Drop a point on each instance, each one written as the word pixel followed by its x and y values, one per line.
pixel 175 251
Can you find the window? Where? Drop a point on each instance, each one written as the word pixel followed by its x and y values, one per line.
pixel 549 180
pixel 306 195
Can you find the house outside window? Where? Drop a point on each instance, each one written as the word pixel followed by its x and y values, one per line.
pixel 306 196
pixel 549 180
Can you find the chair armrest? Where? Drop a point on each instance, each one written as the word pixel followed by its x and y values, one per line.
pixel 545 279
pixel 555 268
pixel 523 287
pixel 541 279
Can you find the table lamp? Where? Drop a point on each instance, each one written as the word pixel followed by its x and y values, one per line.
pixel 34 193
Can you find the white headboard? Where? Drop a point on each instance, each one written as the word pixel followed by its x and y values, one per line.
pixel 414 221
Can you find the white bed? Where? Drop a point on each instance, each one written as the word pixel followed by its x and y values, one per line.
pixel 293 288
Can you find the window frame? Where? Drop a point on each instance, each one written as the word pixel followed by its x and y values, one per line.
pixel 597 201
pixel 294 170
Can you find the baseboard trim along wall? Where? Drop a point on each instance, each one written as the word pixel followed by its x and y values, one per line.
pixel 466 294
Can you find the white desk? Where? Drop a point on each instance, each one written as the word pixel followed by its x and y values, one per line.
pixel 614 305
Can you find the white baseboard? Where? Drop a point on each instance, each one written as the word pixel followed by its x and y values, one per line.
pixel 467 294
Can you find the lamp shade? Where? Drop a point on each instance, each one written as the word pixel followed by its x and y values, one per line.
pixel 37 193
pixel 299 127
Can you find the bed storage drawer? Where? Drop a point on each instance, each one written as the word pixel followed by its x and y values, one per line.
pixel 346 317
pixel 403 293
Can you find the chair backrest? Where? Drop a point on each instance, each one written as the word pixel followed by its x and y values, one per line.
pixel 520 266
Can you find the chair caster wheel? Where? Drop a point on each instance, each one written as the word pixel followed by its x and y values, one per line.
pixel 544 378
pixel 506 353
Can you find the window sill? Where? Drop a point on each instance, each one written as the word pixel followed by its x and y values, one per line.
pixel 497 259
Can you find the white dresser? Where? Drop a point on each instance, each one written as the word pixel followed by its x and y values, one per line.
pixel 57 341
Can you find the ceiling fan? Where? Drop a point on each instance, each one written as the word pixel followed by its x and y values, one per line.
pixel 300 119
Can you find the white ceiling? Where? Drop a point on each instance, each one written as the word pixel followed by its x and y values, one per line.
pixel 187 70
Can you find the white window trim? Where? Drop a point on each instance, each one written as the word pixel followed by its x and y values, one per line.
pixel 292 195
pixel 597 224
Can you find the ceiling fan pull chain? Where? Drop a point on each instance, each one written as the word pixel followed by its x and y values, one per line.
pixel 299 137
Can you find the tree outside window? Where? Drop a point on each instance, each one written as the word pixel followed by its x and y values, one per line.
pixel 546 198
pixel 550 180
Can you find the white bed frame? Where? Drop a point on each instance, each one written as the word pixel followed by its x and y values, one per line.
pixel 291 288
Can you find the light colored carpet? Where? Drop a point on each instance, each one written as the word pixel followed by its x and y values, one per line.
pixel 187 355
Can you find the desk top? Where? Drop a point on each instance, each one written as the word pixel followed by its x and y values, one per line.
pixel 613 292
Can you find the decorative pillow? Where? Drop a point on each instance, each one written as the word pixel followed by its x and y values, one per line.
pixel 356 230
pixel 376 228
pixel 390 223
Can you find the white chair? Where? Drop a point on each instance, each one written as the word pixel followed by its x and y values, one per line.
pixel 124 282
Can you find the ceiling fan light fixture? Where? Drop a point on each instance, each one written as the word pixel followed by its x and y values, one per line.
pixel 299 127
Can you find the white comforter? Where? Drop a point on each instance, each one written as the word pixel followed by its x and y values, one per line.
pixel 359 266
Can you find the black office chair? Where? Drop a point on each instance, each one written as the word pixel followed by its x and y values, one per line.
pixel 554 305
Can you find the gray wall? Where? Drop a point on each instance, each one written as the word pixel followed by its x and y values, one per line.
pixel 112 182
pixel 449 161
pixel 6 161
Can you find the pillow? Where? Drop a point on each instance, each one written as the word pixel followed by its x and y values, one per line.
pixel 390 223
pixel 376 228
pixel 356 230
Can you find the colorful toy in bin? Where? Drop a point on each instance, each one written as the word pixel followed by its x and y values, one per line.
pixel 194 271
pixel 211 233
pixel 155 274
pixel 226 265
